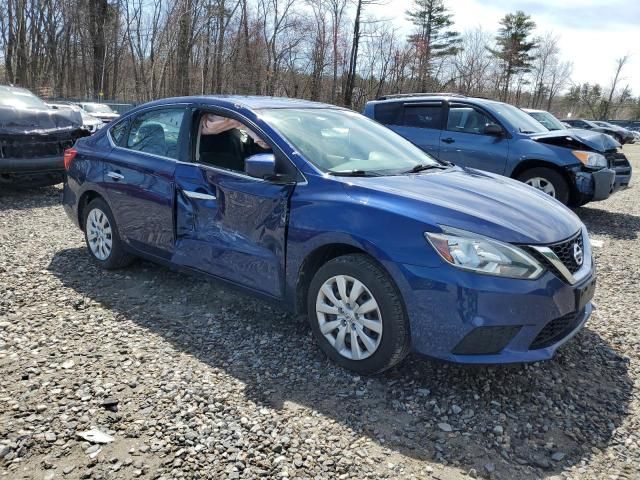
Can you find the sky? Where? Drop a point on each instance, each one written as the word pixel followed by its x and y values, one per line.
pixel 593 33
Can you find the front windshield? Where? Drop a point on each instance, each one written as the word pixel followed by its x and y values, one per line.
pixel 548 120
pixel 520 121
pixel 97 108
pixel 344 141
pixel 20 98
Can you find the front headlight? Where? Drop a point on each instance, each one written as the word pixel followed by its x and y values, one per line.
pixel 590 159
pixel 481 254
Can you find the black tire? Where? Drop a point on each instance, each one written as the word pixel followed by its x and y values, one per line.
pixel 552 176
pixel 118 257
pixel 395 338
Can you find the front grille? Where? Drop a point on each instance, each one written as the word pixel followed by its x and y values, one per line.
pixel 618 162
pixel 565 250
pixel 555 330
pixel 34 147
pixel 565 253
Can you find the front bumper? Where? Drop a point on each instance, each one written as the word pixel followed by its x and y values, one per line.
pixel 592 186
pixel 621 165
pixel 32 165
pixel 456 314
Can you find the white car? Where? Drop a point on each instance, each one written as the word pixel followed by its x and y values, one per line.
pixel 100 110
pixel 89 122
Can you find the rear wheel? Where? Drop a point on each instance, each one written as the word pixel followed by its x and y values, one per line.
pixel 102 238
pixel 356 315
pixel 548 181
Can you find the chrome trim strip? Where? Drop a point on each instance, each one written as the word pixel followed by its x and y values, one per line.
pixel 588 266
pixel 555 261
pixel 198 195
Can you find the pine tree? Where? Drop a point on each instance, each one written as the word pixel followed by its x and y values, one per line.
pixel 514 47
pixel 433 37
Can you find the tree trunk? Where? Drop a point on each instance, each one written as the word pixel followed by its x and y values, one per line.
pixel 353 59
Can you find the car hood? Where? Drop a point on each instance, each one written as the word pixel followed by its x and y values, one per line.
pixel 578 138
pixel 480 202
pixel 24 121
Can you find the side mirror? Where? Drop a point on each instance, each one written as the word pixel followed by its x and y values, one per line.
pixel 261 165
pixel 493 129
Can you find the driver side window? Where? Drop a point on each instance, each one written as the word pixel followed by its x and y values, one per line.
pixel 467 119
pixel 226 143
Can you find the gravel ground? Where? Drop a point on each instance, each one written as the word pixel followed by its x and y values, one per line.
pixel 191 381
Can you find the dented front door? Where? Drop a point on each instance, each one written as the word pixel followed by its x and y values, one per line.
pixel 231 226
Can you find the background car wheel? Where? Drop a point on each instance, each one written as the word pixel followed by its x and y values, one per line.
pixel 356 315
pixel 101 235
pixel 547 180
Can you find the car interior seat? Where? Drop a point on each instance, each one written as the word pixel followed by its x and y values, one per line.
pixel 150 139
pixel 223 150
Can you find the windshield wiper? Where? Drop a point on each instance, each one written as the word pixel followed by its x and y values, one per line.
pixel 355 173
pixel 421 167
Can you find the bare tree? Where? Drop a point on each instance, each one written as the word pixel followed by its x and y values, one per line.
pixel 620 63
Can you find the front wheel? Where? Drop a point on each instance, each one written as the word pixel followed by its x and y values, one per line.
pixel 548 181
pixel 356 315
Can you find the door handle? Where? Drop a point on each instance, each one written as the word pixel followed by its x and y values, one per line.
pixel 448 140
pixel 115 176
pixel 198 195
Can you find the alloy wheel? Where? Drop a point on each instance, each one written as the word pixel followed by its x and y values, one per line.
pixel 349 317
pixel 543 185
pixel 99 234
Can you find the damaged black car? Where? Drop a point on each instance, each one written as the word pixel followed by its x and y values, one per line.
pixel 33 138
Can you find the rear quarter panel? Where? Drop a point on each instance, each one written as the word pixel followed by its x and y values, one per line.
pixel 86 174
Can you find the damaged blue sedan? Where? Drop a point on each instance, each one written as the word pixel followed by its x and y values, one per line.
pixel 331 215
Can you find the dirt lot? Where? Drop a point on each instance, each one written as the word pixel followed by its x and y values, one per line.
pixel 193 381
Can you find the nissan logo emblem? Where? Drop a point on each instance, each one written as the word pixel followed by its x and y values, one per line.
pixel 578 254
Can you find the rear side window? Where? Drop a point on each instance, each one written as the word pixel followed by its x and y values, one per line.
pixel 467 119
pixel 118 133
pixel 423 116
pixel 156 132
pixel 388 113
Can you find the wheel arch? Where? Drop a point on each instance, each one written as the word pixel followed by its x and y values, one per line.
pixel 321 255
pixel 534 163
pixel 86 198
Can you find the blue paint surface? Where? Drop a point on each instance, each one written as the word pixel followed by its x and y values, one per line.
pixel 513 152
pixel 258 234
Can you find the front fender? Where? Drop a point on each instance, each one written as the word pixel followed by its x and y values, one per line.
pixel 327 216
pixel 527 150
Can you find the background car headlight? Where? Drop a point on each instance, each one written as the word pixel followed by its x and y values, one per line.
pixel 473 252
pixel 590 159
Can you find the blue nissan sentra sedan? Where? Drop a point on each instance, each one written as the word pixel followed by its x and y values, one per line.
pixel 332 215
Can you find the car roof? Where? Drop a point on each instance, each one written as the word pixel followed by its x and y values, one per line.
pixel 252 102
pixel 430 97
pixel 533 110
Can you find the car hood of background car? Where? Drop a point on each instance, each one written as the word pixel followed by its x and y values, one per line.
pixel 471 200
pixel 578 138
pixel 26 121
